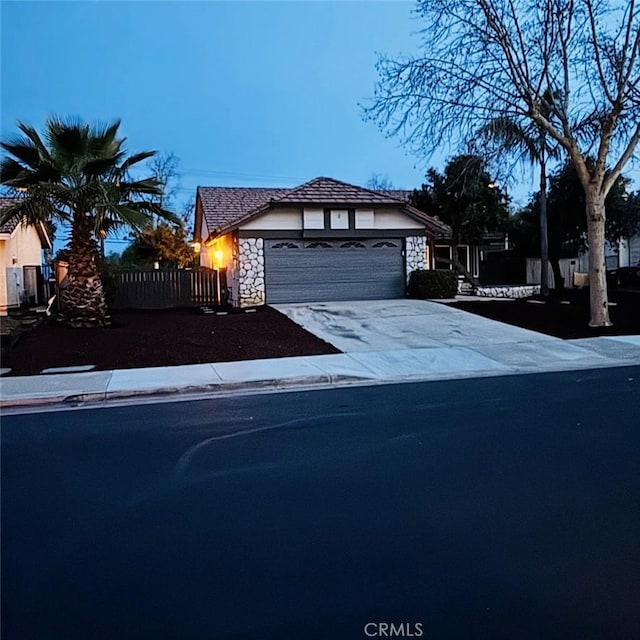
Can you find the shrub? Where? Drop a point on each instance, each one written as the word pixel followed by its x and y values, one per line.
pixel 435 283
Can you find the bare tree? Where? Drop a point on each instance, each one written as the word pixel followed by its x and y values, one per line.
pixel 379 182
pixel 569 66
pixel 165 169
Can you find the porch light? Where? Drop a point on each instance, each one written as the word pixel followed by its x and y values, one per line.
pixel 218 256
pixel 195 246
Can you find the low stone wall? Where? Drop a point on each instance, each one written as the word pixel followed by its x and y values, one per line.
pixel 507 291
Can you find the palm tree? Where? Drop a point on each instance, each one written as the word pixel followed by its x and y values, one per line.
pixel 529 142
pixel 78 174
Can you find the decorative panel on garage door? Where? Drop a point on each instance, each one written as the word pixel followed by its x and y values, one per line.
pixel 317 270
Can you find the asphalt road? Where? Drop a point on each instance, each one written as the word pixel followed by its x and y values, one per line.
pixel 492 508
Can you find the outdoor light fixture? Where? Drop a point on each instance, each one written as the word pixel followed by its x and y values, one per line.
pixel 218 255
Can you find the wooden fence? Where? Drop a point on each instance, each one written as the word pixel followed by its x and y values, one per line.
pixel 166 288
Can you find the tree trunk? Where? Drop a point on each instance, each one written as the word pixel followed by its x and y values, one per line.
pixel 82 301
pixel 544 242
pixel 597 265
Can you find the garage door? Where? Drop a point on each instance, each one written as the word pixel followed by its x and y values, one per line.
pixel 317 270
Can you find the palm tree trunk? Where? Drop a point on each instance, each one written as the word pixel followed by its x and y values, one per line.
pixel 544 241
pixel 83 301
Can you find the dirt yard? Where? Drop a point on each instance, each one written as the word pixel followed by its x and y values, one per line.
pixel 565 315
pixel 161 338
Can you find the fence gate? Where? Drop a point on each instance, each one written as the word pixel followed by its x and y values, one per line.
pixel 166 288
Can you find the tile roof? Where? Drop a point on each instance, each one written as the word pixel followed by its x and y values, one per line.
pixel 398 194
pixel 10 225
pixel 330 191
pixel 222 206
pixel 225 207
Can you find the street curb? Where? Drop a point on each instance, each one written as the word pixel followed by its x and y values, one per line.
pixel 97 398
pixel 300 383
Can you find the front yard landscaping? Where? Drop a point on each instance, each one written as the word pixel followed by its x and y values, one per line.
pixel 163 338
pixel 186 336
pixel 564 315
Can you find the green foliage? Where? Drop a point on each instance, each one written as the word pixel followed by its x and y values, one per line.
pixel 435 283
pixel 80 174
pixel 567 226
pixel 464 197
pixel 109 268
pixel 164 244
pixel 77 170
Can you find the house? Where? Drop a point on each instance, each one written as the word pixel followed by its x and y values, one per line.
pixel 470 256
pixel 323 240
pixel 21 258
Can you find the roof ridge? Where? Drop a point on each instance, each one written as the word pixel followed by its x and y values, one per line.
pixel 253 188
pixel 341 183
pixel 356 186
pixel 305 184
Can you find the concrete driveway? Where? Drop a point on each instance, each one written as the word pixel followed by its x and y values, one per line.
pixel 418 335
pixel 382 325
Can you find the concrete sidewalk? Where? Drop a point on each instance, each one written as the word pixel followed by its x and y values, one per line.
pixel 533 355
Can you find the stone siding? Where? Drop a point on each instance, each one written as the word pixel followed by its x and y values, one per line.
pixel 250 265
pixel 506 291
pixel 415 250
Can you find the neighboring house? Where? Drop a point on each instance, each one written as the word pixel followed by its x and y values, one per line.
pixel 470 256
pixel 324 240
pixel 21 258
pixel 628 252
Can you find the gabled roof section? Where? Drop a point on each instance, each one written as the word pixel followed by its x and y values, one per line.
pixel 10 225
pixel 225 208
pixel 398 194
pixel 330 191
pixel 222 206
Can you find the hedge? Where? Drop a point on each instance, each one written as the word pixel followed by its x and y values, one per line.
pixel 434 283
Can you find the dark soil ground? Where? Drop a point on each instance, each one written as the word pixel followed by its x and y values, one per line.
pixel 162 338
pixel 181 336
pixel 563 315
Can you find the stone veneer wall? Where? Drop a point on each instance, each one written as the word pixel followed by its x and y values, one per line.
pixel 507 291
pixel 415 249
pixel 250 270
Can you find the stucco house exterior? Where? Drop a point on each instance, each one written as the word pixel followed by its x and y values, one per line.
pixel 21 258
pixel 323 240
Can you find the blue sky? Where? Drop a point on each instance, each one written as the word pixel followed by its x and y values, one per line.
pixel 243 93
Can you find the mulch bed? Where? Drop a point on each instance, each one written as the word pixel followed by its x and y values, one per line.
pixel 163 338
pixel 564 315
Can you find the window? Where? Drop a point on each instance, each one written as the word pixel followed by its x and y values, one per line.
pixel 442 257
pixel 339 219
